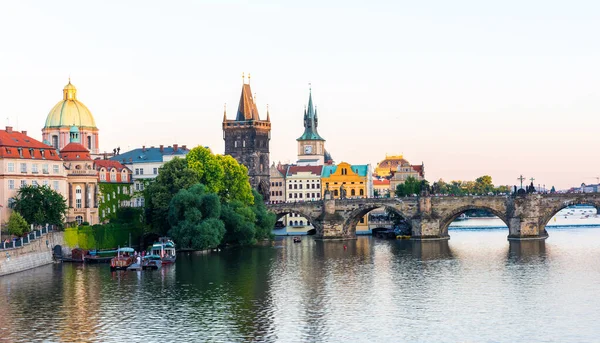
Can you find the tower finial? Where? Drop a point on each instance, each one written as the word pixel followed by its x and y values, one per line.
pixel 268 115
pixel 243 78
pixel 248 78
pixel 224 111
pixel 310 87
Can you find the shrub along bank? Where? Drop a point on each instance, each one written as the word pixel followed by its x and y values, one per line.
pixel 107 236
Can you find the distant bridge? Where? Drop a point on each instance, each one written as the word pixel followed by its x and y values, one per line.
pixel 429 216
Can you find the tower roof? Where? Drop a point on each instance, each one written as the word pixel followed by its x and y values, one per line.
pixel 311 122
pixel 247 108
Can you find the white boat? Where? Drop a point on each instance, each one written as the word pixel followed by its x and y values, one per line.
pixel 165 248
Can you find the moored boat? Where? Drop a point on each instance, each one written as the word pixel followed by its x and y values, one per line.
pixel 297 239
pixel 165 248
pixel 123 260
pixel 151 262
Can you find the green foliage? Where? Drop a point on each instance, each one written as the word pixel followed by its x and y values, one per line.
pixel 129 215
pixel 239 223
pixel 173 177
pixel 411 186
pixel 107 236
pixel 265 220
pixel 117 193
pixel 553 190
pixel 41 205
pixel 481 186
pixel 221 174
pixel 193 215
pixel 17 225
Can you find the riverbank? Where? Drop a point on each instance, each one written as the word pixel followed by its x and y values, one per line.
pixel 37 253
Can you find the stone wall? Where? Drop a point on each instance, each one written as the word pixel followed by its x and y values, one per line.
pixel 35 254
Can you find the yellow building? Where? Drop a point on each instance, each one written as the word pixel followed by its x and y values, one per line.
pixel 349 182
pixel 397 169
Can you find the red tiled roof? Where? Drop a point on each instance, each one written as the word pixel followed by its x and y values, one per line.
pixel 299 169
pixel 418 169
pixel 109 164
pixel 75 152
pixel 381 182
pixel 11 141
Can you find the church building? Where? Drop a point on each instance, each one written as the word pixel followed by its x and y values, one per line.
pixel 247 140
pixel 66 113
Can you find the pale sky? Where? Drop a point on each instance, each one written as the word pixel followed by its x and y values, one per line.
pixel 468 87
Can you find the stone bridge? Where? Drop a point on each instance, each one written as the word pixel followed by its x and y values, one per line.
pixel 429 216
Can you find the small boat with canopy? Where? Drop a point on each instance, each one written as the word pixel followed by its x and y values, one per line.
pixel 165 248
pixel 123 260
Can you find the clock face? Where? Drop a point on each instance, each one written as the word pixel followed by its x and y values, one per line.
pixel 308 149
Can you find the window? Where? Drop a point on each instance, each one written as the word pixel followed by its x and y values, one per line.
pixel 78 197
pixel 302 222
pixel 300 196
pixel 55 168
pixel 108 197
pixel 23 167
pixel 295 186
pixel 34 183
pixel 155 171
pixel 290 186
pixel 290 196
pixel 45 168
pixel 102 175
pixel 89 142
pixel 55 185
pixel 45 183
pixel 295 195
pixel 34 168
pixel 11 167
pixel 291 223
pixel 318 185
pixel 55 141
pixel 362 192
pixel 113 176
pixel 124 189
pixel 318 195
pixel 11 184
pixel 79 220
pixel 300 186
pixel 352 192
pixel 23 183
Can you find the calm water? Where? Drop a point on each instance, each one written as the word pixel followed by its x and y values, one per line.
pixel 477 287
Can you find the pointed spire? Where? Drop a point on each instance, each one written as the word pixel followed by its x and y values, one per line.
pixel 225 112
pixel 310 121
pixel 268 115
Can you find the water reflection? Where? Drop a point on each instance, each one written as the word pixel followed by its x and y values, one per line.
pixel 471 288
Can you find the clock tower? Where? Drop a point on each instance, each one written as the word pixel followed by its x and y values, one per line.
pixel 311 147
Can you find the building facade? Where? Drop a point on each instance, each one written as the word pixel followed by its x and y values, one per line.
pixel 277 179
pixel 66 113
pixel 145 163
pixel 25 161
pixel 247 140
pixel 115 186
pixel 82 179
pixel 302 183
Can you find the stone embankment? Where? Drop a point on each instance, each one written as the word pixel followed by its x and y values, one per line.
pixel 37 253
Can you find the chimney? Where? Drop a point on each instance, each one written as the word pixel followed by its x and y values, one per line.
pixel 174 147
pixel 143 148
pixel 24 132
pixel 9 129
pixel 184 147
pixel 162 148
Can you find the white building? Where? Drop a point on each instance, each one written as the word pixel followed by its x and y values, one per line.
pixel 145 162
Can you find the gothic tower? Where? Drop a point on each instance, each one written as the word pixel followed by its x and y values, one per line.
pixel 247 140
pixel 311 146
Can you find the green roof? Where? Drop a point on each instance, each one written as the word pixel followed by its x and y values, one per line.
pixel 311 122
pixel 360 169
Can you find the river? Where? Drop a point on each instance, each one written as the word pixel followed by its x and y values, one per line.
pixel 476 287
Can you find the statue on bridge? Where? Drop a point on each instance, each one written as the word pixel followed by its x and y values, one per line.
pixel 342 192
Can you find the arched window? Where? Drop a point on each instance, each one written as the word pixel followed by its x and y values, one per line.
pixel 89 142
pixel 79 220
pixel 302 222
pixel 55 141
pixel 291 223
pixel 362 192
pixel 352 192
pixel 295 222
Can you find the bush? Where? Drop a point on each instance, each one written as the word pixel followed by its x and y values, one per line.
pixel 17 225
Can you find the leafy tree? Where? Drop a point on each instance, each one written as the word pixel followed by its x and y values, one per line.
pixel 553 190
pixel 410 186
pixel 483 185
pixel 208 168
pixel 239 222
pixel 193 215
pixel 265 220
pixel 41 205
pixel 174 176
pixel 17 225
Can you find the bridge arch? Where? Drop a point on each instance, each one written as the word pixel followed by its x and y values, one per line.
pixel 349 226
pixel 282 211
pixel 447 219
pixel 551 211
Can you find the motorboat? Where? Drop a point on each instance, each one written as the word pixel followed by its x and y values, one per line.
pixel 152 262
pixel 123 260
pixel 165 248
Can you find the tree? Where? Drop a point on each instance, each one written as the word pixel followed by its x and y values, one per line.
pixel 41 205
pixel 174 176
pixel 265 220
pixel 553 190
pixel 483 185
pixel 239 222
pixel 17 225
pixel 410 186
pixel 194 217
pixel 208 168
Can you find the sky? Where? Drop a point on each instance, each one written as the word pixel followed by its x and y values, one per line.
pixel 468 87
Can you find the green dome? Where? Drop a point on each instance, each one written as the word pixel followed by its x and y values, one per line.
pixel 70 111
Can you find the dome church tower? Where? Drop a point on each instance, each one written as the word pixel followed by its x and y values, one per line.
pixel 67 113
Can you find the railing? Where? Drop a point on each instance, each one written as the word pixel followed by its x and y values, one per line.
pixel 27 239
